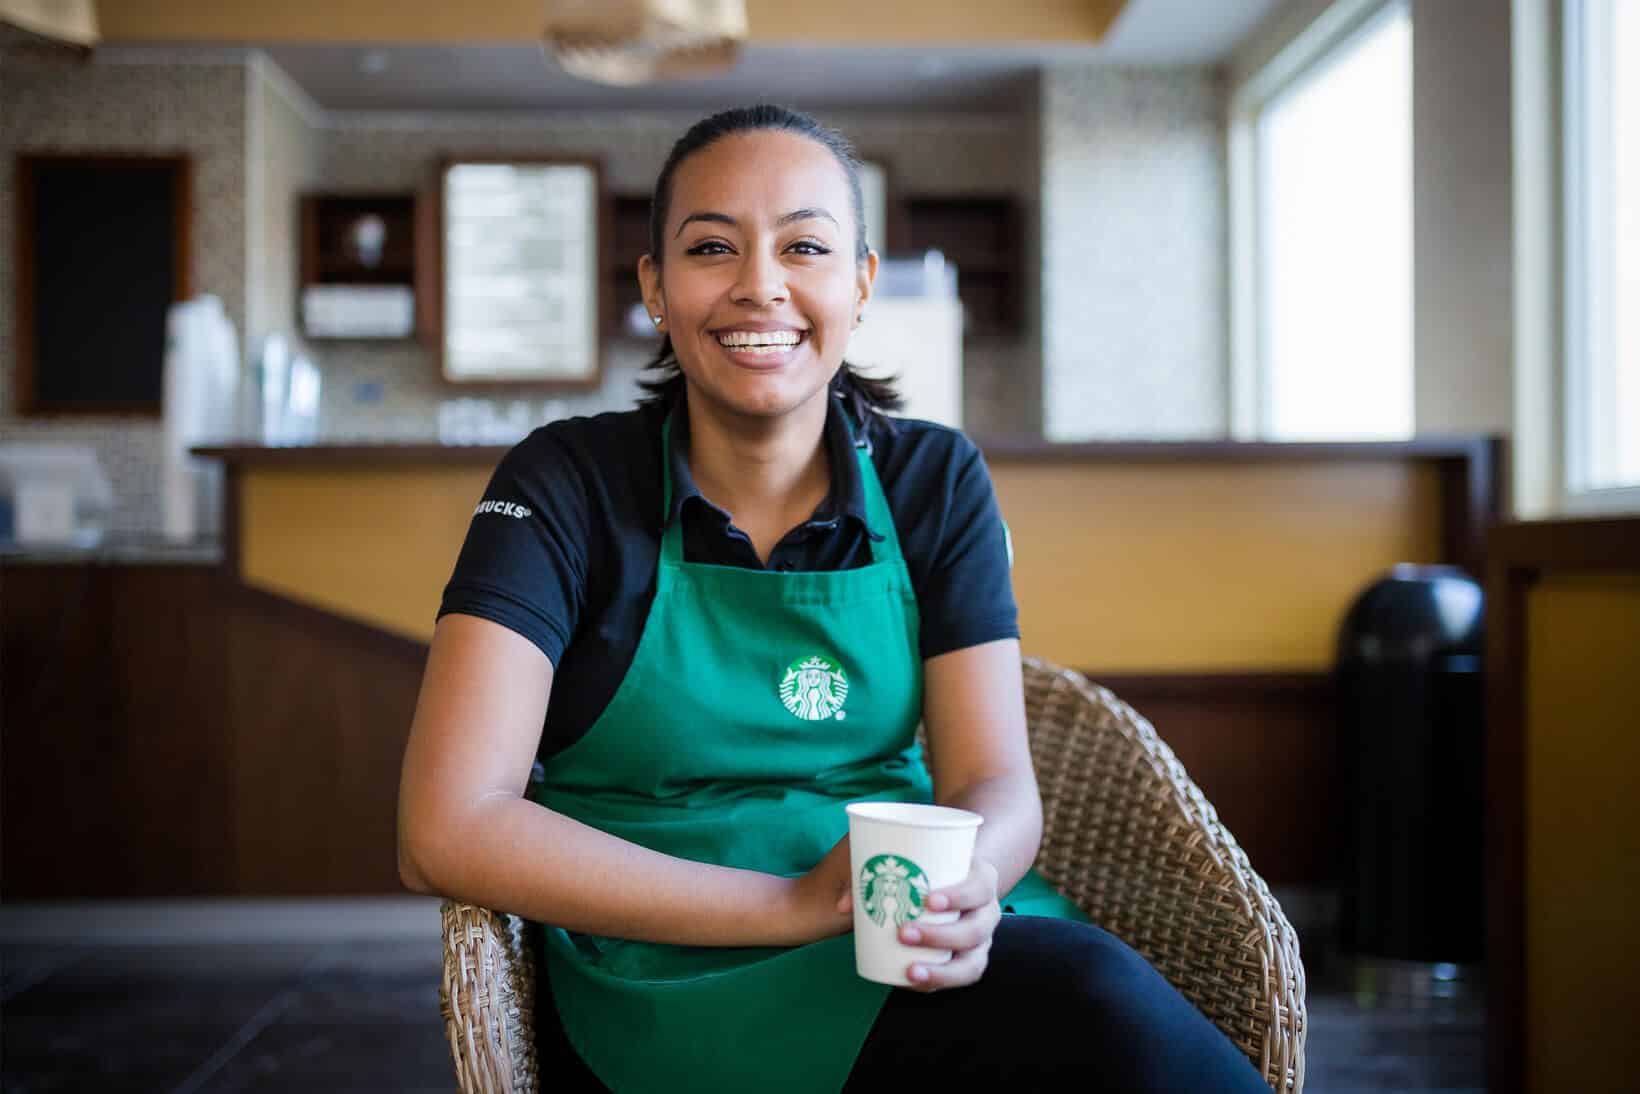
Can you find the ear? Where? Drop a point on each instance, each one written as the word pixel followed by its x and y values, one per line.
pixel 649 283
pixel 865 278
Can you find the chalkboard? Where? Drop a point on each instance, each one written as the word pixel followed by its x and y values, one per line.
pixel 103 253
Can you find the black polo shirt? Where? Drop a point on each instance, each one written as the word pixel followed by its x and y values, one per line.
pixel 564 545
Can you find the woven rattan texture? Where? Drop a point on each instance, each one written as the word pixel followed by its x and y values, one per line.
pixel 1126 835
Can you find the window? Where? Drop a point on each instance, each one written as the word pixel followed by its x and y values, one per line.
pixel 1602 186
pixel 1322 157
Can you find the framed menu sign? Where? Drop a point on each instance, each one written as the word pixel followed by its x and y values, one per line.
pixel 520 296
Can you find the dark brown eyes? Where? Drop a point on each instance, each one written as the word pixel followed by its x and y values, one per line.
pixel 714 247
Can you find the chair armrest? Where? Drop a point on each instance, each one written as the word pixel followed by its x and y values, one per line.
pixel 1132 840
pixel 487 997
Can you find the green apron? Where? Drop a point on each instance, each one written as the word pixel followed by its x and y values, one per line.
pixel 758 704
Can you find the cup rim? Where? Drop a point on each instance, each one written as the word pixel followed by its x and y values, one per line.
pixel 925 815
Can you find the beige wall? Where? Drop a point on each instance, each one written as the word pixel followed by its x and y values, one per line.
pixel 1133 244
pixel 1463 237
pixel 285 153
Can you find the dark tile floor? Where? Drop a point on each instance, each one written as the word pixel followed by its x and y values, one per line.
pixel 356 1016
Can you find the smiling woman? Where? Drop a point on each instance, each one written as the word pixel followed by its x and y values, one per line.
pixel 682 836
pixel 819 251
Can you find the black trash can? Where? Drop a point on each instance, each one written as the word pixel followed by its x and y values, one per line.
pixel 1411 707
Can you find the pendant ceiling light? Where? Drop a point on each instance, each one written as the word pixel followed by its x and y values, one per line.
pixel 73 22
pixel 629 42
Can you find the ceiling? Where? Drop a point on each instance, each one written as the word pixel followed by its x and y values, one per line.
pixel 934 78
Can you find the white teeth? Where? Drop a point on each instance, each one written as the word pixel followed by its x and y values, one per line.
pixel 753 340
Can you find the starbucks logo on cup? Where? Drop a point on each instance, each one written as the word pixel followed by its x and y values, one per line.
pixel 892 888
pixel 814 688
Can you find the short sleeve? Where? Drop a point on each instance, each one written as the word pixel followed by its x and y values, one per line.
pixel 967 595
pixel 524 561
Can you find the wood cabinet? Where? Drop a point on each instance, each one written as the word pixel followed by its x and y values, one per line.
pixel 628 241
pixel 980 235
pixel 365 241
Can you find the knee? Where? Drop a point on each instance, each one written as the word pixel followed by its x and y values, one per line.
pixel 1102 970
pixel 1147 1035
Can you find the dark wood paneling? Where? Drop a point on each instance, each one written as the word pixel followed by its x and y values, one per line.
pixel 167 732
pixel 320 710
pixel 1263 749
pixel 115 745
pixel 1518 555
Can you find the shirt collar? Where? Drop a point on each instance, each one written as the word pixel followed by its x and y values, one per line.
pixel 846 498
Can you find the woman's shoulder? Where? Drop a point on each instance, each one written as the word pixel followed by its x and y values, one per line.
pixel 919 447
pixel 591 447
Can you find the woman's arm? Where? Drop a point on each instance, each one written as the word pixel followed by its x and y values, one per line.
pixel 466 831
pixel 979 755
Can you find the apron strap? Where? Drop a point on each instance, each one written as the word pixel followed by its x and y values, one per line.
pixel 879 518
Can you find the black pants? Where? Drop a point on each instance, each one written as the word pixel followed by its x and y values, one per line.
pixel 1060 1003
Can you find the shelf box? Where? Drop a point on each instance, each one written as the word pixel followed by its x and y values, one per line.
pixel 359 264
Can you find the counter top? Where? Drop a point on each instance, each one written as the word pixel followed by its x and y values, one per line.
pixel 116 550
pixel 1011 449
pixel 384 454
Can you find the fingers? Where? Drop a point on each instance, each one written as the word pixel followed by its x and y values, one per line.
pixel 963 969
pixel 978 889
pixel 970 930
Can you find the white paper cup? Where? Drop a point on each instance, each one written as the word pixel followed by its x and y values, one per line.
pixel 899 853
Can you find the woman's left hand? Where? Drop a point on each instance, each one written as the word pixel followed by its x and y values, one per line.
pixel 968 938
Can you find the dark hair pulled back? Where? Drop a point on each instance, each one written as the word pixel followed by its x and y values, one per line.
pixel 862 393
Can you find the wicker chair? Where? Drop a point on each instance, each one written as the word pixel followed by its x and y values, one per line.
pixel 1126 835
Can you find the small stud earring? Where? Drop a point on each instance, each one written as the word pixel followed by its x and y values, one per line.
pixel 657 319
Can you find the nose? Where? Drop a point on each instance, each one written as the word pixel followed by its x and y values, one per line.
pixel 760 280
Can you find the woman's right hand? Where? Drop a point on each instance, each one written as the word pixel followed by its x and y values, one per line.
pixel 822 898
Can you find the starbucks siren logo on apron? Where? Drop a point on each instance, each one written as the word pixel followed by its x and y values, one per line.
pixel 814 688
pixel 894 888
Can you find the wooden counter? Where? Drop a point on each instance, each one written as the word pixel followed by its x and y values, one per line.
pixel 1139 558
pixel 238 730
pixel 1563 818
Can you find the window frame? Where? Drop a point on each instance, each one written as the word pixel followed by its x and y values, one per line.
pixel 1585 167
pixel 1336 28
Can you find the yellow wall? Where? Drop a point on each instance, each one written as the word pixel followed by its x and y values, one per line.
pixel 906 21
pixel 1120 568
pixel 1583 833
pixel 375 545
pixel 1206 566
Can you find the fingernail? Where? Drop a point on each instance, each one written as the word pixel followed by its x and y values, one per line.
pixel 937 902
pixel 911 934
pixel 919 973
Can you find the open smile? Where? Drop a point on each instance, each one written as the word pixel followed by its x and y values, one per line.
pixel 761 348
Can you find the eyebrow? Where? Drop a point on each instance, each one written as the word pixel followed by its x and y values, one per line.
pixel 725 218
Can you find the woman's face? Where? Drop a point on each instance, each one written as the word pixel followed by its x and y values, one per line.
pixel 759 287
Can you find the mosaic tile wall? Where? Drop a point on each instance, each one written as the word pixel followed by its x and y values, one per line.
pixel 1134 239
pixel 131 109
pixel 285 153
pixel 391 391
pixel 1120 174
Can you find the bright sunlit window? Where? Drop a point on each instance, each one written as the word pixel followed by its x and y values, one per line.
pixel 1333 228
pixel 1603 251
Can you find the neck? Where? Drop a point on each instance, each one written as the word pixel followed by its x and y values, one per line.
pixel 767 466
